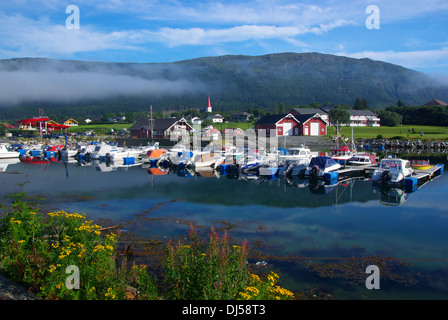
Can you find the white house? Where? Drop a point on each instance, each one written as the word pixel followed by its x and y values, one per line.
pixel 217 118
pixel 363 118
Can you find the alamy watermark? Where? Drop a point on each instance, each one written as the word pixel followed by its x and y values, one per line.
pixel 72 281
pixel 373 20
pixel 373 281
pixel 73 20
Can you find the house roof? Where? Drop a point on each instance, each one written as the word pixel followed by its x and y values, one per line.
pixel 435 102
pixel 158 124
pixel 271 119
pixel 361 113
pixel 308 111
pixel 302 118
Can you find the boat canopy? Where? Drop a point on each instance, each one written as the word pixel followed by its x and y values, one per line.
pixel 322 162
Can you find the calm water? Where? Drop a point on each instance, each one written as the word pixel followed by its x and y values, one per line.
pixel 279 219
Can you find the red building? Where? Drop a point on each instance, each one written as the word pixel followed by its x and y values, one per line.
pixel 42 124
pixel 292 125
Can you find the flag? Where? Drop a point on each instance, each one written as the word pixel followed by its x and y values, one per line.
pixel 41 111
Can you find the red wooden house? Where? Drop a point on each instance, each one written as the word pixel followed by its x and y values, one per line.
pixel 292 125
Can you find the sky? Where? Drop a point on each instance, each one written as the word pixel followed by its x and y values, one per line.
pixel 410 33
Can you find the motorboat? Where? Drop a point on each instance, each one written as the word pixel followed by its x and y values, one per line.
pixel 6 151
pixel 392 171
pixel 252 162
pixel 342 154
pixel 154 155
pixel 362 160
pixel 296 154
pixel 318 166
pixel 421 164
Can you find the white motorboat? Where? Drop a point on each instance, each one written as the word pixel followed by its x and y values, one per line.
pixel 6 151
pixel 296 154
pixel 318 166
pixel 392 171
pixel 252 162
pixel 362 160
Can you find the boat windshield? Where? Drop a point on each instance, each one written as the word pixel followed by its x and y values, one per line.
pixel 391 165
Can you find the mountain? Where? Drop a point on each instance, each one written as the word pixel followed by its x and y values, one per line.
pixel 81 88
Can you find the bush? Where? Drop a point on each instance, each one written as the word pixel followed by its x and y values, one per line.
pixel 37 250
pixel 202 271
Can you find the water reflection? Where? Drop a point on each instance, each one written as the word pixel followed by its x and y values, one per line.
pixel 204 185
pixel 280 217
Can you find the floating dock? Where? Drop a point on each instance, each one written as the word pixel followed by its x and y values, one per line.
pixel 350 172
pixel 420 177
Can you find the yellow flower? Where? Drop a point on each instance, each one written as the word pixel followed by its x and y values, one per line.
pixel 98 248
pixel 110 294
pixel 254 277
pixel 21 241
pixel 12 220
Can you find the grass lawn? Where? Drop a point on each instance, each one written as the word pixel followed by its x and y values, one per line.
pixel 429 132
pixel 100 128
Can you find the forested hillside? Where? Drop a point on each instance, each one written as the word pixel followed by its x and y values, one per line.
pixel 89 89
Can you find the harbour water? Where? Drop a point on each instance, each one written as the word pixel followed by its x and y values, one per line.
pixel 314 236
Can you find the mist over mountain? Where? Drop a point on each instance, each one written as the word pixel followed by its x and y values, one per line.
pixel 78 88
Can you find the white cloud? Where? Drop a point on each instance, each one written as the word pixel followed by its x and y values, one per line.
pixel 200 36
pixel 408 59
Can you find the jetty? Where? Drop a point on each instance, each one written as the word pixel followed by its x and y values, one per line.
pixel 412 183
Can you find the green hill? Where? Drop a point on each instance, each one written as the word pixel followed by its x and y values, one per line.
pixel 78 88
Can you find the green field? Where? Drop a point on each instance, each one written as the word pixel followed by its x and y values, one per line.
pixel 429 132
pixel 100 128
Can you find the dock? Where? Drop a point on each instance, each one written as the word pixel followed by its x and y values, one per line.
pixel 421 177
pixel 350 172
pixel 412 183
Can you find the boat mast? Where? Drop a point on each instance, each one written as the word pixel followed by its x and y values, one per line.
pixel 151 122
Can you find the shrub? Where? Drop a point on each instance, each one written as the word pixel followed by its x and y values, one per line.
pixel 37 249
pixel 206 270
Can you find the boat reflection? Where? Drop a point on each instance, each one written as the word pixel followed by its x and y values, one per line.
pixel 390 196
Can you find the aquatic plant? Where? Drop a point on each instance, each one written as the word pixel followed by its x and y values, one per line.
pixel 353 270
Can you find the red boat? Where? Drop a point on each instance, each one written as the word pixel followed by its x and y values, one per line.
pixel 38 160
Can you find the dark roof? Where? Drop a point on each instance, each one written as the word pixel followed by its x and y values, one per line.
pixel 435 102
pixel 304 117
pixel 308 111
pixel 159 124
pixel 271 119
pixel 361 112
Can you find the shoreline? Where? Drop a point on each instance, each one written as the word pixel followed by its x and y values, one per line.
pixel 10 290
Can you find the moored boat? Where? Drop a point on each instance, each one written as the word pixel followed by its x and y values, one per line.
pixel 7 153
pixel 318 166
pixel 421 164
pixel 392 171
pixel 362 160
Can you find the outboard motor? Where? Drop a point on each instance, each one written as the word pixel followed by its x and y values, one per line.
pixel 313 172
pixel 385 176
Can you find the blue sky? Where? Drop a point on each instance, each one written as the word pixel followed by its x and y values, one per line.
pixel 411 33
